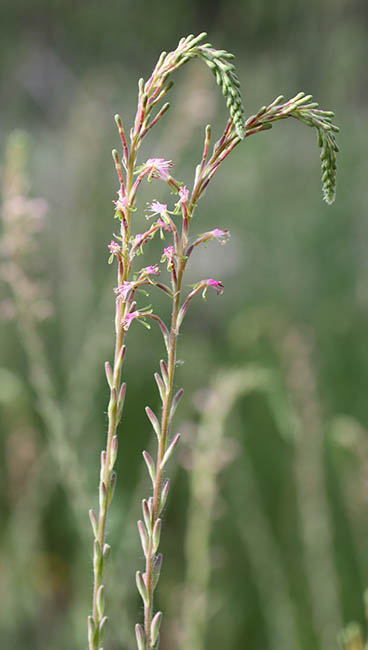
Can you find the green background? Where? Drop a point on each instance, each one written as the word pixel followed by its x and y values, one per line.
pixel 289 529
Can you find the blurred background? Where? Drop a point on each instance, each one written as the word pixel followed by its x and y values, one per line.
pixel 266 527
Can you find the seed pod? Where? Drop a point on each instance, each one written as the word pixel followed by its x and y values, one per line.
pixel 109 375
pixel 97 557
pixel 141 587
pixel 164 493
pixel 156 533
pixel 160 385
pixel 146 514
pixel 155 627
pixel 106 551
pixel 92 632
pixel 150 465
pixel 114 451
pixel 176 399
pixel 103 625
pixel 154 421
pixel 112 485
pixel 143 536
pixel 101 601
pixel 121 400
pixel 164 371
pixel 157 564
pixel 170 450
pixel 103 495
pixel 139 635
pixel 94 522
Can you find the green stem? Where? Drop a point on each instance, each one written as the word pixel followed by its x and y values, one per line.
pixel 162 446
pixel 114 414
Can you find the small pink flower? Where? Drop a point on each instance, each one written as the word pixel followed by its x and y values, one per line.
pixel 138 240
pixel 152 270
pixel 121 203
pixel 184 195
pixel 114 247
pixel 159 168
pixel 129 318
pixel 168 255
pixel 215 284
pixel 163 225
pixel 124 289
pixel 222 236
pixel 156 208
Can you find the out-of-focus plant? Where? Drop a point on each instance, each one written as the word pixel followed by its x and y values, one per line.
pixel 209 452
pixel 133 278
pixel 352 637
pixel 28 303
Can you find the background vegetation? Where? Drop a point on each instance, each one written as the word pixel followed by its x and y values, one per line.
pixel 289 528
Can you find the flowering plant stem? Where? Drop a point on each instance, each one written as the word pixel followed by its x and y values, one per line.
pixel 126 247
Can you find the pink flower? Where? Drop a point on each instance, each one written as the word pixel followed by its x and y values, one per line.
pixel 184 195
pixel 168 255
pixel 163 225
pixel 159 168
pixel 222 236
pixel 152 270
pixel 114 247
pixel 124 289
pixel 133 315
pixel 215 284
pixel 121 203
pixel 129 318
pixel 138 240
pixel 156 208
